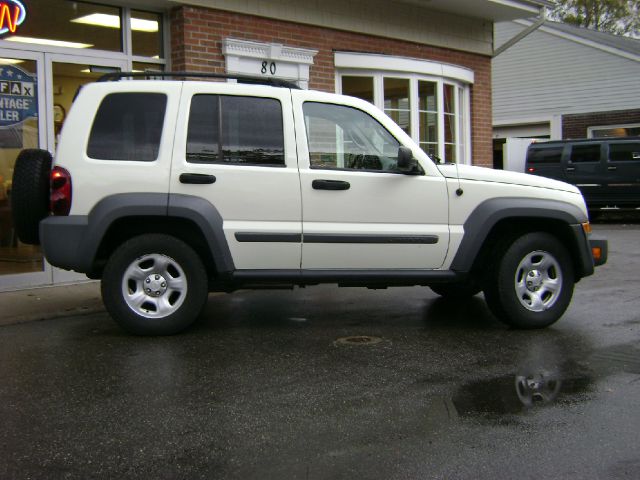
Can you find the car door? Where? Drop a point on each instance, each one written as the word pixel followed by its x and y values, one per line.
pixel 623 172
pixel 585 170
pixel 235 148
pixel 359 210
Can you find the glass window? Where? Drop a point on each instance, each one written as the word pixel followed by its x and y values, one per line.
pixel 204 129
pixel 428 116
pixel 146 34
pixel 251 130
pixel 361 87
pixel 128 126
pixel 450 123
pixel 585 153
pixel 396 102
pixel 624 152
pixel 544 155
pixel 341 137
pixel 71 24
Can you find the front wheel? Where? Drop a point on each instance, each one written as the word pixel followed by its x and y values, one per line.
pixel 531 285
pixel 154 284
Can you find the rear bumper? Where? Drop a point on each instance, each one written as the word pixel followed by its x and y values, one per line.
pixel 599 251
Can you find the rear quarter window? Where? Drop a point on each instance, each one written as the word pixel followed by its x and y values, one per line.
pixel 544 154
pixel 128 126
pixel 624 152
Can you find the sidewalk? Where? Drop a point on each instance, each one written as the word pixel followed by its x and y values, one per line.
pixel 50 302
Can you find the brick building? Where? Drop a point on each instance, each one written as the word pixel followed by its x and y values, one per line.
pixel 427 63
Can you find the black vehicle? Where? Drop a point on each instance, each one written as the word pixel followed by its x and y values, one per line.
pixel 606 170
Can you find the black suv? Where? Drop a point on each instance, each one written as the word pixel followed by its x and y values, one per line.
pixel 607 170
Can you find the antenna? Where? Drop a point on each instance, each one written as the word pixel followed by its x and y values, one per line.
pixel 459 190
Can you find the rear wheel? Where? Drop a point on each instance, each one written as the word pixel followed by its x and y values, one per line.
pixel 30 193
pixel 531 285
pixel 154 284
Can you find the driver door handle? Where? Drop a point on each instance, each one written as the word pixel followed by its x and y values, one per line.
pixel 330 185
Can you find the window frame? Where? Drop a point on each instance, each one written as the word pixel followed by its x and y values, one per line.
pixel 461 98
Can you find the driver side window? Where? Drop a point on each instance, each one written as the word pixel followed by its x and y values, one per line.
pixel 344 138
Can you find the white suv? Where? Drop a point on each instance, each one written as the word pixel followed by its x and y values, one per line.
pixel 167 190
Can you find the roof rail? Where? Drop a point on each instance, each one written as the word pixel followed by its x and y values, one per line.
pixel 274 82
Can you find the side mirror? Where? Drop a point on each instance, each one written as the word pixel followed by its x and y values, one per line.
pixel 406 163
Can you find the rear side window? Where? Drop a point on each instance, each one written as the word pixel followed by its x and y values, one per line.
pixel 544 155
pixel 235 130
pixel 585 153
pixel 128 126
pixel 624 152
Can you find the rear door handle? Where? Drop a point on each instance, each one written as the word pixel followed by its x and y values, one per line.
pixel 330 185
pixel 570 169
pixel 612 168
pixel 197 178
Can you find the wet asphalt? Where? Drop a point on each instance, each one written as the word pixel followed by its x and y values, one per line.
pixel 266 386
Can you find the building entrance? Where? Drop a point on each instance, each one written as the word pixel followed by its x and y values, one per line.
pixel 36 92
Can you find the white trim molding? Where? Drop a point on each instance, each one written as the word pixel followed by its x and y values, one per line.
pixel 367 61
pixel 273 60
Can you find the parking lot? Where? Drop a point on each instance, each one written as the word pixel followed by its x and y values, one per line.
pixel 326 382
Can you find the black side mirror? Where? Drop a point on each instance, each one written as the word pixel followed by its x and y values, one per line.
pixel 406 163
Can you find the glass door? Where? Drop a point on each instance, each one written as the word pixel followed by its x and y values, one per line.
pixel 22 125
pixel 36 92
pixel 65 74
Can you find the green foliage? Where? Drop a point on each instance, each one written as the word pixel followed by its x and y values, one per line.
pixel 620 17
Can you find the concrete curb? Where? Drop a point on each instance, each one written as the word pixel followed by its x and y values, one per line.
pixel 50 302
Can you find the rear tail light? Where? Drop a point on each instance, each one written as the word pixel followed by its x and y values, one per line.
pixel 60 199
pixel 531 169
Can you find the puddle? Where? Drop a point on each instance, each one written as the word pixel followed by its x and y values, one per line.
pixel 517 394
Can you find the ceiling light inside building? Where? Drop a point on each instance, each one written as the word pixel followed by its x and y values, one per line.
pixel 113 21
pixel 48 41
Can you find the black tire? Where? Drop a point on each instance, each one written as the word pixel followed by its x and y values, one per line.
pixel 531 284
pixel 154 284
pixel 30 193
pixel 456 291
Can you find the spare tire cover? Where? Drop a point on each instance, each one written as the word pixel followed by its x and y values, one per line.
pixel 30 193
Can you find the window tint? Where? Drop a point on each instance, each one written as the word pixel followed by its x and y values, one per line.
pixel 250 128
pixel 585 153
pixel 624 152
pixel 204 129
pixel 544 154
pixel 252 131
pixel 342 137
pixel 128 126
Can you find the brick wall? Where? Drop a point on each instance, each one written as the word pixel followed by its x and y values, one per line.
pixel 196 45
pixel 575 126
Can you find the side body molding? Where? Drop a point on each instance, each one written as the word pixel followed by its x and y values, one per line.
pixel 486 215
pixel 72 242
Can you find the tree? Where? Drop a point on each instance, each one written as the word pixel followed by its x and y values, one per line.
pixel 620 17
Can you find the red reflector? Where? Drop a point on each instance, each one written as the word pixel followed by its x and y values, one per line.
pixel 60 199
pixel 531 169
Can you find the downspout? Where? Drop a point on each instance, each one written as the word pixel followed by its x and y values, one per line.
pixel 510 43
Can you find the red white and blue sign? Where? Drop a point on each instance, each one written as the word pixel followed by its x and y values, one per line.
pixel 18 96
pixel 12 15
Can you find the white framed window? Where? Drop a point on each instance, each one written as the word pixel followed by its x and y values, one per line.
pixel 430 101
pixel 604 131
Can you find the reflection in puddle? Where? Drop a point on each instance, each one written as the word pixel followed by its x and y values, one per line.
pixel 514 395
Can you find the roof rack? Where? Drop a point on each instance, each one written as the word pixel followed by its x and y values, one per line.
pixel 274 82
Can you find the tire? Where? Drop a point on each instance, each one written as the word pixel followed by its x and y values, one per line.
pixel 531 284
pixel 456 291
pixel 154 284
pixel 30 193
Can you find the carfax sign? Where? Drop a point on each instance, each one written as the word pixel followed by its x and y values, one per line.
pixel 18 96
